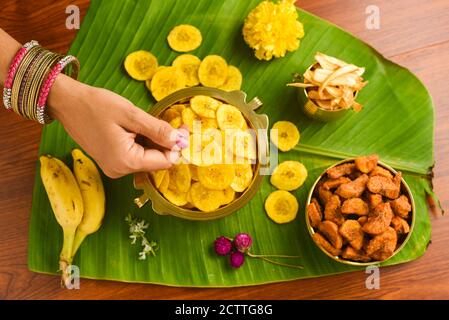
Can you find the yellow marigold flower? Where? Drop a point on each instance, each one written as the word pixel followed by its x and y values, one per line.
pixel 272 29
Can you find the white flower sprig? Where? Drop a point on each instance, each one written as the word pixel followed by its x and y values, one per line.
pixel 137 232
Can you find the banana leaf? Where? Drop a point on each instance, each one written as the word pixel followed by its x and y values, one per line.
pixel 397 123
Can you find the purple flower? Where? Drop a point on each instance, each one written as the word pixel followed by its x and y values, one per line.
pixel 243 242
pixel 222 246
pixel 237 259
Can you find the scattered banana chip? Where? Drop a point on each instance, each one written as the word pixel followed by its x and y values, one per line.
pixel 233 80
pixel 188 64
pixel 184 38
pixel 213 71
pixel 243 177
pixel 281 206
pixel 228 196
pixel 229 117
pixel 287 136
pixel 179 178
pixel 205 199
pixel 176 197
pixel 216 176
pixel 141 65
pixel 167 81
pixel 158 177
pixel 205 106
pixel 289 175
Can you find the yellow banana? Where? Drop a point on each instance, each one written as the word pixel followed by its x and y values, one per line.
pixel 66 202
pixel 94 200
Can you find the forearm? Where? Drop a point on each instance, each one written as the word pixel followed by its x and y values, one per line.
pixel 8 48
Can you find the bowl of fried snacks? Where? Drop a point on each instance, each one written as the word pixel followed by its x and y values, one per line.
pixel 219 172
pixel 360 211
pixel 329 88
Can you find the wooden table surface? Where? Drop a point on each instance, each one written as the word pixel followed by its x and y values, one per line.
pixel 413 33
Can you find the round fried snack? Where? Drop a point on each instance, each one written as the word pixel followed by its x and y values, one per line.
pixel 229 117
pixel 243 177
pixel 213 71
pixel 141 65
pixel 188 64
pixel 170 114
pixel 287 136
pixel 216 176
pixel 228 196
pixel 233 80
pixel 167 81
pixel 188 117
pixel 205 106
pixel 193 172
pixel 179 178
pixel 205 199
pixel 176 197
pixel 242 144
pixel 281 206
pixel 208 123
pixel 163 187
pixel 184 38
pixel 289 175
pixel 158 177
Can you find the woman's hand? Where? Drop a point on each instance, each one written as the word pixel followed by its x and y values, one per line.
pixel 106 125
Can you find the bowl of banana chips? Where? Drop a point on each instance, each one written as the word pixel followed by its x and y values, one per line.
pixel 219 172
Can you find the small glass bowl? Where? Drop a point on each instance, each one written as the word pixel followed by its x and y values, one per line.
pixel 405 189
pixel 255 121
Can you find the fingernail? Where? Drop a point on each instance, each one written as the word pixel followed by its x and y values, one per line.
pixel 183 134
pixel 182 143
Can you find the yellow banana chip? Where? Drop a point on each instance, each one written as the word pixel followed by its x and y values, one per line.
pixel 205 106
pixel 229 117
pixel 179 178
pixel 178 107
pixel 217 176
pixel 163 187
pixel 233 80
pixel 188 118
pixel 243 177
pixel 170 114
pixel 157 177
pixel 188 64
pixel 141 65
pixel 287 136
pixel 184 38
pixel 281 206
pixel 289 175
pixel 167 81
pixel 242 144
pixel 208 123
pixel 176 197
pixel 205 199
pixel 193 172
pixel 213 71
pixel 228 196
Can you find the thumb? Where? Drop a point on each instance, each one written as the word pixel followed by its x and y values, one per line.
pixel 145 160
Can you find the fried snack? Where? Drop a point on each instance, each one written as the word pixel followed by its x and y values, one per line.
pixel 354 206
pixel 379 219
pixel 242 144
pixel 379 171
pixel 233 80
pixel 193 172
pixel 217 176
pixel 330 230
pixel 400 225
pixel 176 197
pixel 322 242
pixel 350 253
pixel 163 187
pixel 179 178
pixel 213 71
pixel 281 206
pixel 158 176
pixel 289 175
pixel 362 220
pixel 209 123
pixel 141 65
pixel 184 38
pixel 188 64
pixel 287 136
pixel 324 195
pixel 401 206
pixel 167 81
pixel 228 196
pixel 205 106
pixel 341 170
pixel 353 189
pixel 334 183
pixel 314 213
pixel 352 231
pixel 205 199
pixel 243 177
pixel 332 210
pixel 367 163
pixel 374 199
pixel 389 188
pixel 188 117
pixel 229 117
pixel 382 246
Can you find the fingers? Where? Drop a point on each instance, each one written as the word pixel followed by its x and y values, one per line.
pixel 140 159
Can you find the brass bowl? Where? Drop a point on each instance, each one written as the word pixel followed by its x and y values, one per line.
pixel 405 189
pixel 255 121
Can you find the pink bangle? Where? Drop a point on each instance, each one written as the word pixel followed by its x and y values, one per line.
pixel 7 90
pixel 48 83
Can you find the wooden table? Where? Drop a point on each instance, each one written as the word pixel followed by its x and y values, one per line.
pixel 413 33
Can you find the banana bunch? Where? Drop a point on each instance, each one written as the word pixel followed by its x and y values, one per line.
pixel 78 202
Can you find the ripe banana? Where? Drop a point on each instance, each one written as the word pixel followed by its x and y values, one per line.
pixel 94 200
pixel 66 202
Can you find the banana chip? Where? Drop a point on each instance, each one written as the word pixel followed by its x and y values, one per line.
pixel 141 65
pixel 287 136
pixel 228 196
pixel 193 172
pixel 158 177
pixel 289 175
pixel 217 176
pixel 188 64
pixel 176 122
pixel 179 178
pixel 205 106
pixel 163 187
pixel 167 81
pixel 281 206
pixel 176 197
pixel 184 38
pixel 170 114
pixel 208 123
pixel 233 80
pixel 213 71
pixel 241 144
pixel 205 199
pixel 178 107
pixel 188 118
pixel 229 117
pixel 243 177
